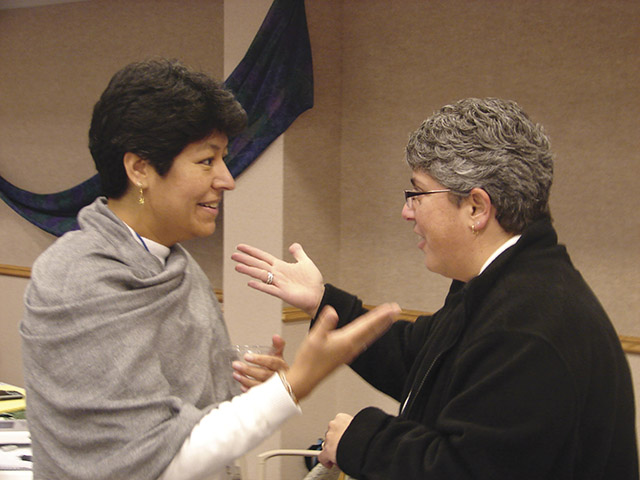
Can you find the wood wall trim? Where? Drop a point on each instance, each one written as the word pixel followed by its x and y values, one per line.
pixel 15 271
pixel 293 315
pixel 630 344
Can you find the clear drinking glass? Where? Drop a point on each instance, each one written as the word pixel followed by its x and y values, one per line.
pixel 239 351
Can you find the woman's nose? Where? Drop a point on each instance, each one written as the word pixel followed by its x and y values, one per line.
pixel 222 179
pixel 407 213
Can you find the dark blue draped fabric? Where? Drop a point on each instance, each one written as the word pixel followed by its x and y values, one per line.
pixel 274 84
pixel 54 213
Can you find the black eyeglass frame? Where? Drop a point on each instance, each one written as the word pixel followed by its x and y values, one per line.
pixel 412 193
pixel 409 194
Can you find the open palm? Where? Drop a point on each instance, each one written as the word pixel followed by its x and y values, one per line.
pixel 299 283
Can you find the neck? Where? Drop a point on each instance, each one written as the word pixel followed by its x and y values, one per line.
pixel 130 212
pixel 485 244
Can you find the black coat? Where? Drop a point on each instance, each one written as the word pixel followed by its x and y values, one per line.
pixel 520 375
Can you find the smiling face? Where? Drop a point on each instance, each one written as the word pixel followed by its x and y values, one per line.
pixel 185 202
pixel 443 228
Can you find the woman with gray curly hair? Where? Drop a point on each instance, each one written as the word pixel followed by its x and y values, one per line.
pixel 520 374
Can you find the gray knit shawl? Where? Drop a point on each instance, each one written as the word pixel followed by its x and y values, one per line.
pixel 122 355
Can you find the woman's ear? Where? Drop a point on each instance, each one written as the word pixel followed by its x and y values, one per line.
pixel 480 209
pixel 136 168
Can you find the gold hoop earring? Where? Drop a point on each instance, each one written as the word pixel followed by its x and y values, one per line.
pixel 141 196
pixel 473 230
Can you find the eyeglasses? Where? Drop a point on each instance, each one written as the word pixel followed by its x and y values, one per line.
pixel 409 194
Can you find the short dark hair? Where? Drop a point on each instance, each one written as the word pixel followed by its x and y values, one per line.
pixel 155 108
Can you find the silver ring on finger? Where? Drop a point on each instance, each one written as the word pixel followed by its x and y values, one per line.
pixel 269 279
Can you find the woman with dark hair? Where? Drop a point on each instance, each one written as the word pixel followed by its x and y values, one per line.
pixel 125 348
pixel 520 375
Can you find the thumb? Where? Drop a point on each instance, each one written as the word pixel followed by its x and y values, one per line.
pixel 278 345
pixel 327 321
pixel 298 252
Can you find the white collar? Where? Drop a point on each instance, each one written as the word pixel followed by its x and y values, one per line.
pixel 161 252
pixel 509 243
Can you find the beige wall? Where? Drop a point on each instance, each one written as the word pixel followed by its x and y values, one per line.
pixel 380 68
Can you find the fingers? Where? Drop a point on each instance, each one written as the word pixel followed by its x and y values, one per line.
pixel 337 427
pixel 364 330
pixel 356 337
pixel 257 270
pixel 256 264
pixel 254 253
pixel 325 459
pixel 261 277
pixel 264 288
pixel 370 326
pixel 278 344
pixel 257 368
pixel 327 321
pixel 245 382
pixel 254 257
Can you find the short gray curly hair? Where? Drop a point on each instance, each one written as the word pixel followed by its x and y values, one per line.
pixel 490 144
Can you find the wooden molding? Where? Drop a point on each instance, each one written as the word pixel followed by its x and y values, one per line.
pixel 630 344
pixel 292 314
pixel 15 271
pixel 218 293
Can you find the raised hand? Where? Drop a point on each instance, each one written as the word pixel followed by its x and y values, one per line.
pixel 299 283
pixel 324 349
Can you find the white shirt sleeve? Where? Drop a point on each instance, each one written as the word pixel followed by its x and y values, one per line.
pixel 231 430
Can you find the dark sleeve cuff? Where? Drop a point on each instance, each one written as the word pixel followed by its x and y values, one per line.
pixel 348 307
pixel 354 444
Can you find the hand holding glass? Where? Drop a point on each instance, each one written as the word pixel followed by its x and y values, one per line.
pixel 253 364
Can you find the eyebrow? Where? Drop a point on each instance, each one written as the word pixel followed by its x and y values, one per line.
pixel 215 147
pixel 415 184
